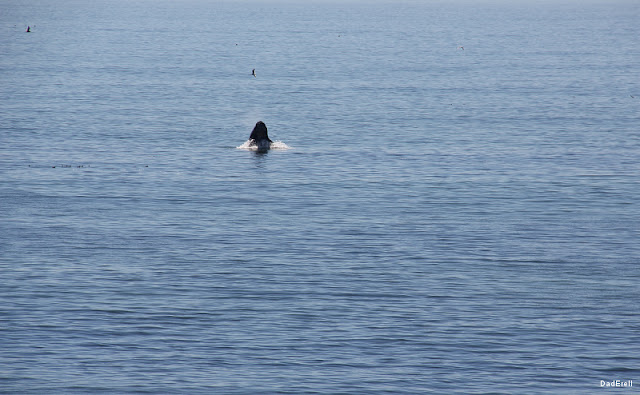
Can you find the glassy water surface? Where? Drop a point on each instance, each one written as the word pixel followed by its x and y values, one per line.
pixel 457 212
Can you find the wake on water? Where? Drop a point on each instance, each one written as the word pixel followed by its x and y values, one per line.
pixel 252 146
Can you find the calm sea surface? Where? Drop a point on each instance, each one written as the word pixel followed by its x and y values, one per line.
pixel 458 211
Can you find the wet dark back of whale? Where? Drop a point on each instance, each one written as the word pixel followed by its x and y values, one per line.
pixel 260 132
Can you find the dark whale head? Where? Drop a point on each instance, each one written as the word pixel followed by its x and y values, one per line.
pixel 259 133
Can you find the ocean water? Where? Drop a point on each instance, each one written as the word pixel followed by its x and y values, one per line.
pixel 456 209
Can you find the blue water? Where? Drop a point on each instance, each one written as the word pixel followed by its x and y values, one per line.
pixel 446 220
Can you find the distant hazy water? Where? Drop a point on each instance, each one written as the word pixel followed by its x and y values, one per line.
pixel 447 220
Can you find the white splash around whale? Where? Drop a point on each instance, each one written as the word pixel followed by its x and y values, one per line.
pixel 250 145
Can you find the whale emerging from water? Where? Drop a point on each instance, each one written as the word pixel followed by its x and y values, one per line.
pixel 259 137
pixel 259 140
